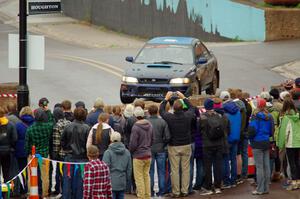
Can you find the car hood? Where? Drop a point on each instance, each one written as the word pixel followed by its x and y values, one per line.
pixel 165 71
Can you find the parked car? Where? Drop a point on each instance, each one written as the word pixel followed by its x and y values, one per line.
pixel 170 64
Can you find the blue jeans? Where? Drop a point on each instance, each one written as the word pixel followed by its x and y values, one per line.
pixel 192 168
pixel 160 159
pixel 244 154
pixel 230 171
pixel 262 163
pixel 73 184
pixel 118 194
pixel 199 173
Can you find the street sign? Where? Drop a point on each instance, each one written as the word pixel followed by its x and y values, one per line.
pixel 35 49
pixel 44 7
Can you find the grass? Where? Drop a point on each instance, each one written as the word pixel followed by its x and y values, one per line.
pixel 237 39
pixel 266 5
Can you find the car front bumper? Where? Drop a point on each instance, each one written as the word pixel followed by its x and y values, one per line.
pixel 150 91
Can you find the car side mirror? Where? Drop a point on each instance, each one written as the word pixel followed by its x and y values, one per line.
pixel 202 60
pixel 129 59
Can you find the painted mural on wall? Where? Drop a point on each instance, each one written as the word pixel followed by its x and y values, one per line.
pixel 209 20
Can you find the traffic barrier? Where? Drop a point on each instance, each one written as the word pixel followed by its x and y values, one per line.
pixel 34 189
pixel 251 162
pixel 8 95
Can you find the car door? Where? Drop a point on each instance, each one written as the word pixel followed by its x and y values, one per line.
pixel 204 70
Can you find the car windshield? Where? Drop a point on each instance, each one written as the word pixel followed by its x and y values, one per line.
pixel 176 54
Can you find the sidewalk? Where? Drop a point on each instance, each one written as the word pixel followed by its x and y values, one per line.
pixel 69 30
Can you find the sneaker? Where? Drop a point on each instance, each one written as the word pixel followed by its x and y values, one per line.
pixel 257 193
pixel 218 191
pixel 240 181
pixel 205 192
pixel 175 195
pixel 233 185
pixel 226 186
pixel 197 187
pixel 184 195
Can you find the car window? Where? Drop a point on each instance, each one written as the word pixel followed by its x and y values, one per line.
pixel 165 53
pixel 201 51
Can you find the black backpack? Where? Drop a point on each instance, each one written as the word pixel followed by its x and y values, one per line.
pixel 215 126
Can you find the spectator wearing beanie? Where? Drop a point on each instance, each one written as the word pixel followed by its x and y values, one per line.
pixel 262 126
pixel 141 140
pixel 212 149
pixel 118 159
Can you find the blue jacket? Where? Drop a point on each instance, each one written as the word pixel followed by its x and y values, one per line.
pixel 27 120
pixel 264 128
pixel 232 112
pixel 92 118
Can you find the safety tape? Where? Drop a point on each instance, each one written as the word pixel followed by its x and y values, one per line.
pixel 8 95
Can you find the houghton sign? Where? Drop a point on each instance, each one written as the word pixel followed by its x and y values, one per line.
pixel 44 7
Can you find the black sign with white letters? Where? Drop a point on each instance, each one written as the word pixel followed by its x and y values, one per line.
pixel 44 7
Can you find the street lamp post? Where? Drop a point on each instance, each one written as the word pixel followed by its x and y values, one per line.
pixel 23 90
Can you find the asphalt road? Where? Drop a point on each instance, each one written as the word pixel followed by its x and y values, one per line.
pixel 79 73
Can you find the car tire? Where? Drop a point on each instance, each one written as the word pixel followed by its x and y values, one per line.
pixel 212 89
pixel 194 89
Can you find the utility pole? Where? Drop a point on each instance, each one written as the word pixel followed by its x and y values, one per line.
pixel 23 90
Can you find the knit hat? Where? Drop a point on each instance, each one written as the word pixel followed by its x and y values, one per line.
pixel 225 95
pixel 217 103
pixel 265 95
pixel 261 103
pixel 138 112
pixel 128 112
pixel 297 82
pixel 58 113
pixel 40 115
pixel 208 104
pixel 80 104
pixel 99 103
pixel 43 102
pixel 274 92
pixel 115 137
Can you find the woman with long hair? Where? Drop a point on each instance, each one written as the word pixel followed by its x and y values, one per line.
pixel 289 138
pixel 99 135
pixel 262 126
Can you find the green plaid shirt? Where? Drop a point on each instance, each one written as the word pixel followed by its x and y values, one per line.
pixel 38 135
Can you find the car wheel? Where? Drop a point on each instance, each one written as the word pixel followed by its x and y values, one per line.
pixel 194 88
pixel 211 90
pixel 126 100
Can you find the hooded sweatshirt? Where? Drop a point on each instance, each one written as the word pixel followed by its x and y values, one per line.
pixel 8 136
pixel 233 114
pixel 118 159
pixel 27 120
pixel 141 139
pixel 289 131
pixel 264 130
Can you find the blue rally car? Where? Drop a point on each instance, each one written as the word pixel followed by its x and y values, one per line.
pixel 170 64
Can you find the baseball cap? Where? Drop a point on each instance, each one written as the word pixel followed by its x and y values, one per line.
pixel 115 137
pixel 43 101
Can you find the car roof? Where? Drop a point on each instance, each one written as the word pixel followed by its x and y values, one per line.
pixel 173 40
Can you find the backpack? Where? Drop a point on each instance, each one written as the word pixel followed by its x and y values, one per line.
pixel 215 126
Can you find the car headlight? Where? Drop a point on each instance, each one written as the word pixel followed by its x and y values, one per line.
pixel 180 81
pixel 129 79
